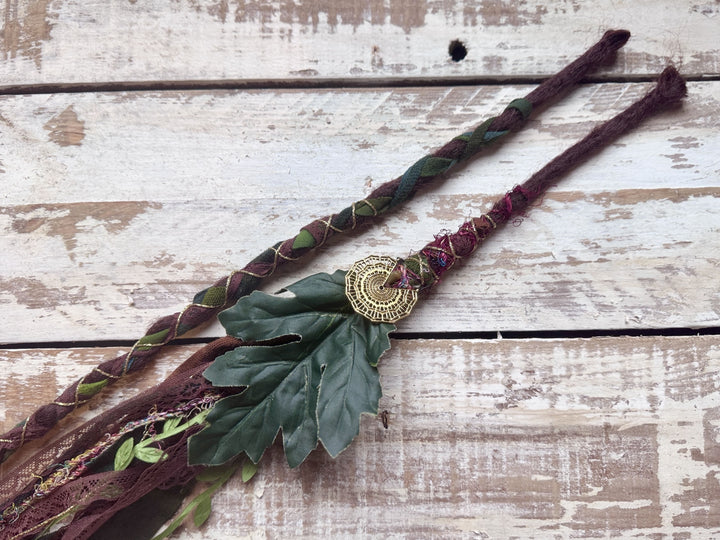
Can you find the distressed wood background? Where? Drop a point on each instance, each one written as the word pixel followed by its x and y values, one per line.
pixel 563 383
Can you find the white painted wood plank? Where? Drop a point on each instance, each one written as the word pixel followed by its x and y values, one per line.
pixel 652 268
pixel 166 192
pixel 247 145
pixel 486 438
pixel 71 41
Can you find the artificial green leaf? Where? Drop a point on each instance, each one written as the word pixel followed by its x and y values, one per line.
pixel 147 342
pixel 351 387
pixel 149 454
pixel 265 316
pixel 372 207
pixel 313 389
pixel 90 389
pixel 197 501
pixel 213 474
pixel 202 511
pixel 304 240
pixel 170 425
pixel 175 523
pixel 323 292
pixel 248 470
pixel 239 424
pixel 199 418
pixel 124 455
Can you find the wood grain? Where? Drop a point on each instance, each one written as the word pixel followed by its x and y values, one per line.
pixel 65 41
pixel 166 192
pixel 116 206
pixel 486 438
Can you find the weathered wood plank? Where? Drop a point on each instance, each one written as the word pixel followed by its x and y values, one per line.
pixel 66 41
pixel 657 270
pixel 490 438
pixel 165 192
pixel 174 146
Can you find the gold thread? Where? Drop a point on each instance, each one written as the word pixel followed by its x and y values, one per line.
pixel 277 251
pixel 491 220
pixel 451 253
pixel 354 217
pixel 71 510
pixel 325 232
pixel 429 268
pixel 476 234
pixel 333 227
pixel 75 405
pixel 253 274
pixel 422 261
pixel 105 374
pixel 371 205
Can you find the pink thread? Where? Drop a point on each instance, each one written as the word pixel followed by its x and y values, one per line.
pixel 467 239
pixel 507 210
pixel 445 249
pixel 407 277
pixel 524 192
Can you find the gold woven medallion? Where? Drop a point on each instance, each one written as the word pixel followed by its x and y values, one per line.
pixel 368 295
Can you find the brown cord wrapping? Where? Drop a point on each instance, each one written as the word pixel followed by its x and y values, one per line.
pixel 242 282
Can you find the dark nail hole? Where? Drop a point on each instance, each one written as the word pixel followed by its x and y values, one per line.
pixel 457 50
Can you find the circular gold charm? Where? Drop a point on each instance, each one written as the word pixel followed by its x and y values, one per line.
pixel 368 295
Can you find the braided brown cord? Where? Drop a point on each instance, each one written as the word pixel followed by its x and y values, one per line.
pixel 228 290
pixel 423 269
pixel 187 382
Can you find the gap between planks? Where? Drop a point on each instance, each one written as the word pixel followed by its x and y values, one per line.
pixel 314 84
pixel 409 336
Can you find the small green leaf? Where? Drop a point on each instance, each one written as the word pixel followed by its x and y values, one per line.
pixel 149 454
pixel 148 342
pixel 202 511
pixel 213 474
pixel 213 296
pixel 124 455
pixel 304 240
pixel 90 389
pixel 175 523
pixel 248 470
pixel 199 418
pixel 170 426
pixel 436 165
pixel 372 207
pixel 197 501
